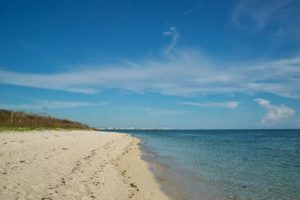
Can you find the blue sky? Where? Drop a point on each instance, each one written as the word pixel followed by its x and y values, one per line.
pixel 155 64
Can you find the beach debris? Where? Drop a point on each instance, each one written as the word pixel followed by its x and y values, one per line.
pixel 63 181
pixel 134 186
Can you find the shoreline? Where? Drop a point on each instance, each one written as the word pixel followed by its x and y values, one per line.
pixel 165 177
pixel 74 165
pixel 175 181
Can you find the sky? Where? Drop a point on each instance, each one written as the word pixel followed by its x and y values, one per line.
pixel 190 64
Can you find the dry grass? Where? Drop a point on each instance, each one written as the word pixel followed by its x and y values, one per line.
pixel 10 120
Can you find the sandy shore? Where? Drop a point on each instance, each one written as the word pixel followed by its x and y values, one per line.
pixel 74 165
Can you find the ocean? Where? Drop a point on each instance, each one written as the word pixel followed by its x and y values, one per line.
pixel 224 164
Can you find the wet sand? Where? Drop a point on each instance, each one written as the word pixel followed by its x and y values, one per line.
pixel 74 165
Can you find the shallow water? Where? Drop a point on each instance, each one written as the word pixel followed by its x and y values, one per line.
pixel 225 164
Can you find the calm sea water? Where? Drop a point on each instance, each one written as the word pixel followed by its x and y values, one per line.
pixel 225 164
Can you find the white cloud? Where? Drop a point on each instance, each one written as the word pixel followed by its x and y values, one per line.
pixel 174 34
pixel 275 113
pixel 44 105
pixel 182 73
pixel 227 104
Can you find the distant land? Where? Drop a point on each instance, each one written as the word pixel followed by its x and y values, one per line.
pixel 12 120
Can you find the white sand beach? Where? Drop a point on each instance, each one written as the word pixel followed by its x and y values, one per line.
pixel 74 165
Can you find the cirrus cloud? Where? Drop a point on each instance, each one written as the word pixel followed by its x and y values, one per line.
pixel 282 16
pixel 182 73
pixel 44 105
pixel 227 104
pixel 174 34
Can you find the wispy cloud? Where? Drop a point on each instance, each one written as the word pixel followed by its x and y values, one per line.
pixel 66 81
pixel 174 34
pixel 45 105
pixel 283 16
pixel 182 73
pixel 187 12
pixel 275 113
pixel 227 104
pixel 164 112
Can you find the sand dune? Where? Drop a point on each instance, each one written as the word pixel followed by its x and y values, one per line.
pixel 74 165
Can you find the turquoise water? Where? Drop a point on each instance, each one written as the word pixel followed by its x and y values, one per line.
pixel 226 164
